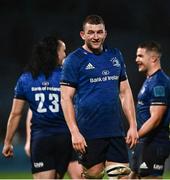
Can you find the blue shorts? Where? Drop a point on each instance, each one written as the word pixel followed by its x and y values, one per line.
pixel 104 149
pixel 148 159
pixel 52 152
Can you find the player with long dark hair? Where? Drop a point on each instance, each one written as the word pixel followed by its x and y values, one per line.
pixel 51 146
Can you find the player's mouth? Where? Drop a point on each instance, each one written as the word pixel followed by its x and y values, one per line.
pixel 140 65
pixel 96 43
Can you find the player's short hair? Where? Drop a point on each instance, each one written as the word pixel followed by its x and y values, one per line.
pixel 151 46
pixel 93 19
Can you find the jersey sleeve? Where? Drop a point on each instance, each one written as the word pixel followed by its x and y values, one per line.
pixel 69 75
pixel 159 95
pixel 123 75
pixel 19 90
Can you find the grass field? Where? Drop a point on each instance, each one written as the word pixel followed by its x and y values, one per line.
pixel 26 175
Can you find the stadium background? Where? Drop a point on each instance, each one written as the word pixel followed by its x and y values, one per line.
pixel 24 22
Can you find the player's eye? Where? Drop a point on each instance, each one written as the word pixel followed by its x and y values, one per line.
pixel 90 32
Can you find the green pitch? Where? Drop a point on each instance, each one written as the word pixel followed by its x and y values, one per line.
pixel 26 175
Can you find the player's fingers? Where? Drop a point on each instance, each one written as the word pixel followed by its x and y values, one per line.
pixel 133 142
pixel 8 153
pixel 5 152
pixel 128 140
pixel 79 148
pixel 85 143
pixel 75 146
pixel 136 140
pixel 83 148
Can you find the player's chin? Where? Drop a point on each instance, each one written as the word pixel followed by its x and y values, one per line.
pixel 140 69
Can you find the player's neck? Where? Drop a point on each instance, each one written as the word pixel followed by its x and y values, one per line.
pixel 152 71
pixel 94 51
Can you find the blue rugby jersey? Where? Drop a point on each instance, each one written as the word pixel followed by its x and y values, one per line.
pixel 96 78
pixel 155 91
pixel 43 96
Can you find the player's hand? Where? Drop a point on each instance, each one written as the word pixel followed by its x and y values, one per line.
pixel 132 137
pixel 8 150
pixel 79 142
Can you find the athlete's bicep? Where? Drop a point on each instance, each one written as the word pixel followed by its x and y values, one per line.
pixel 124 88
pixel 16 113
pixel 67 92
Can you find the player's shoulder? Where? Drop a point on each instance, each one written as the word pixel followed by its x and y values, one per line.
pixel 113 51
pixel 164 76
pixel 78 53
pixel 25 76
pixel 74 57
pixel 24 80
pixel 108 48
pixel 159 78
pixel 56 74
pixel 58 69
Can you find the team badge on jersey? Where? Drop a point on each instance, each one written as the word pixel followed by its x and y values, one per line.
pixel 159 91
pixel 115 62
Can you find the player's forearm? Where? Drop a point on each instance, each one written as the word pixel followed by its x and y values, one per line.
pixel 147 127
pixel 69 114
pixel 28 126
pixel 130 115
pixel 127 102
pixel 129 109
pixel 12 126
pixel 28 134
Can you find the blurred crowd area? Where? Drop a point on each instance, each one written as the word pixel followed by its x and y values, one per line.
pixel 24 22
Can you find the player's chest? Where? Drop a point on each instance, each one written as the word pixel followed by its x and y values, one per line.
pixel 100 66
pixel 145 94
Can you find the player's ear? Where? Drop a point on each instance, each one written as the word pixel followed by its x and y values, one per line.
pixel 82 35
pixel 154 57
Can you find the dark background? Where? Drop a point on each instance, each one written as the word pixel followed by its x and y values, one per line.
pixel 24 22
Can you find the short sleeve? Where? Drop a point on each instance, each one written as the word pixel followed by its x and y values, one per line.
pixel 123 75
pixel 19 90
pixel 69 76
pixel 159 95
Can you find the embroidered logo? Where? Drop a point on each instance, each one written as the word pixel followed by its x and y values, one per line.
pixel 115 62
